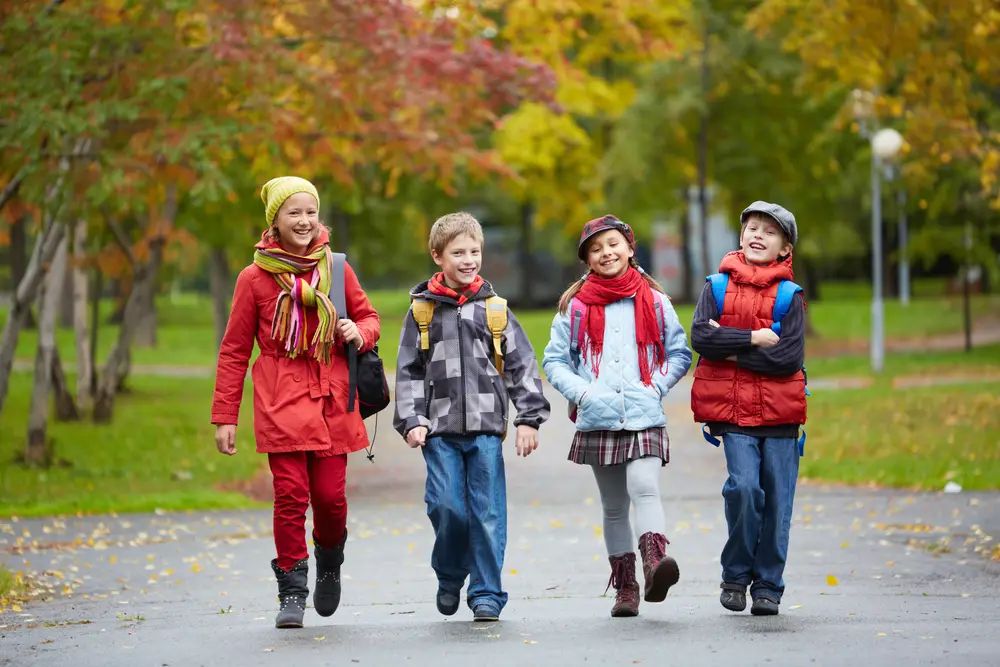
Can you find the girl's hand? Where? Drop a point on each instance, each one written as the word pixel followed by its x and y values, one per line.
pixel 714 323
pixel 527 439
pixel 348 332
pixel 225 438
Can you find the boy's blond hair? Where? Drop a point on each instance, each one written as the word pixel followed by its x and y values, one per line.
pixel 448 227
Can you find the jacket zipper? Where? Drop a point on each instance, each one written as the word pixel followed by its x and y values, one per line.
pixel 427 399
pixel 461 367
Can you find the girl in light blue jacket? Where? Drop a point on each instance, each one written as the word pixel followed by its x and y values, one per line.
pixel 616 348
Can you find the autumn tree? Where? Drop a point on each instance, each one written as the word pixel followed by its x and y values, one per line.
pixel 934 70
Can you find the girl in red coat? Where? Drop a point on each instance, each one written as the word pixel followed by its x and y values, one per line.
pixel 300 387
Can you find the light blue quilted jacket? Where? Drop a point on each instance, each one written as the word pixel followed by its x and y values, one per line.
pixel 617 399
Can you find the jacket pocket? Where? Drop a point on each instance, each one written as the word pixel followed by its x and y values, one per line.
pixel 592 413
pixel 713 397
pixel 290 416
pixel 501 397
pixel 784 399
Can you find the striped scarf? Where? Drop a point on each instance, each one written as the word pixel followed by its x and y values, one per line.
pixel 305 283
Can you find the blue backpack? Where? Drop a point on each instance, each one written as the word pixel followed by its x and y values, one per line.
pixel 782 303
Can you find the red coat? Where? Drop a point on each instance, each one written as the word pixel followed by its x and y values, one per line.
pixel 299 404
pixel 724 392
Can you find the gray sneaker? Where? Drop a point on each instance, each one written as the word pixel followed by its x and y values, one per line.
pixel 733 600
pixel 764 607
pixel 485 613
pixel 447 603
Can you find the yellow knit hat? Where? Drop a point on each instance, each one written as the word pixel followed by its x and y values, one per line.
pixel 277 190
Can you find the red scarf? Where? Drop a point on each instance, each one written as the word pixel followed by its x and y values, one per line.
pixel 437 286
pixel 598 292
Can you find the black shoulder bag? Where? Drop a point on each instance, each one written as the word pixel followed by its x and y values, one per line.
pixel 368 384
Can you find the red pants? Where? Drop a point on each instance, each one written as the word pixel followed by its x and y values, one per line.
pixel 298 478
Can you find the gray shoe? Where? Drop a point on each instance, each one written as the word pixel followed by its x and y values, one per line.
pixel 485 613
pixel 447 603
pixel 293 590
pixel 764 607
pixel 326 597
pixel 733 599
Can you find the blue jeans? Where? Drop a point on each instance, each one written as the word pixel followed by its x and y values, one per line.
pixel 759 495
pixel 467 504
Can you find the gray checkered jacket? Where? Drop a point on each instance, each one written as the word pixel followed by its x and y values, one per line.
pixel 453 388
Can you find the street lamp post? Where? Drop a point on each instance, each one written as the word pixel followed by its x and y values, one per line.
pixel 885 146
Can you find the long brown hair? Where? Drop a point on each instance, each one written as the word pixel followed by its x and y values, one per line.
pixel 571 291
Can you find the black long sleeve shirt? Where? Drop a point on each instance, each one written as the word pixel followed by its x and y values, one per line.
pixel 719 343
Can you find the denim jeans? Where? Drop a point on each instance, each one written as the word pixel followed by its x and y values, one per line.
pixel 758 495
pixel 467 504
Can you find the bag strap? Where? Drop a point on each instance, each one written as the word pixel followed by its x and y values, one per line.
pixel 338 293
pixel 338 297
pixel 720 283
pixel 577 309
pixel 496 322
pixel 423 313
pixel 783 302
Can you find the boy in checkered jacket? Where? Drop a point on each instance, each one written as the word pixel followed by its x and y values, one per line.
pixel 452 402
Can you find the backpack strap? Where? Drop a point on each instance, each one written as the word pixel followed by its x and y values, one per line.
pixel 577 310
pixel 783 302
pixel 423 313
pixel 496 322
pixel 720 283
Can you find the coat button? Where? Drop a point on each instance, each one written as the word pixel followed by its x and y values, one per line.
pixel 622 420
pixel 619 390
pixel 296 377
pixel 618 358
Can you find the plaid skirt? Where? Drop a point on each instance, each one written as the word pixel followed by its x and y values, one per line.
pixel 611 448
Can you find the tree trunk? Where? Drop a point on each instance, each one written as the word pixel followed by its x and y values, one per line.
pixel 36 451
pixel 144 280
pixel 220 285
pixel 703 154
pixel 145 332
pixel 68 287
pixel 84 369
pixel 527 261
pixel 45 249
pixel 19 258
pixel 66 408
pixel 95 330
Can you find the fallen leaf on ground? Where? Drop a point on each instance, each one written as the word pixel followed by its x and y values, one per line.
pixel 831 580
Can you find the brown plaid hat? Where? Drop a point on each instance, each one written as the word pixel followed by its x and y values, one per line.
pixel 598 225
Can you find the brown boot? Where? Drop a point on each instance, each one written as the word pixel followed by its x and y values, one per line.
pixel 658 569
pixel 624 582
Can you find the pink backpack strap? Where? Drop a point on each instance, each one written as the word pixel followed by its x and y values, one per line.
pixel 577 312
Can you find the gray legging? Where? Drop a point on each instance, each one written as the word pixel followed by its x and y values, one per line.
pixel 637 482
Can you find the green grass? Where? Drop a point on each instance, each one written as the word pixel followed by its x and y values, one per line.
pixel 11 585
pixel 160 428
pixel 920 438
pixel 984 360
pixel 186 335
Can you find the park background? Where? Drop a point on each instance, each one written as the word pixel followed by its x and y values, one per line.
pixel 135 136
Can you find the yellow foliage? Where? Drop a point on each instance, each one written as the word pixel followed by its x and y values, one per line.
pixel 595 49
pixel 932 63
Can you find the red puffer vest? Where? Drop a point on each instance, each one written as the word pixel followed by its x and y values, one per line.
pixel 722 391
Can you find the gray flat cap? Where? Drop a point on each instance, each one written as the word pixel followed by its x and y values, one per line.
pixel 781 215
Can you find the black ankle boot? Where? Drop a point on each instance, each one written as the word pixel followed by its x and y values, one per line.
pixel 326 596
pixel 293 589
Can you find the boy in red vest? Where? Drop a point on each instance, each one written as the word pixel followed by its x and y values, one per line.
pixel 749 389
